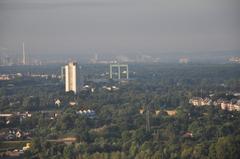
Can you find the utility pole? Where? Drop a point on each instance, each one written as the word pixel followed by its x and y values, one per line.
pixel 147 120
pixel 148 127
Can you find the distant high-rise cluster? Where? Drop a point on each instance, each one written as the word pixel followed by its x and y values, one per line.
pixel 72 77
pixel 183 60
pixel 5 60
pixel 8 58
pixel 234 59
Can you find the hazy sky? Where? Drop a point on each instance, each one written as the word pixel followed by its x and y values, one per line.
pixel 119 26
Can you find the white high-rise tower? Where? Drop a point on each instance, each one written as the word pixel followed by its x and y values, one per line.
pixel 72 82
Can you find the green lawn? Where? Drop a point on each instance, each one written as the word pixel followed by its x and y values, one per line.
pixel 6 145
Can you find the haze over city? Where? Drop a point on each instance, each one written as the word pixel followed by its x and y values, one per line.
pixel 70 28
pixel 119 79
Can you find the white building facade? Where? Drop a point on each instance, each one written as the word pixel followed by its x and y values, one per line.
pixel 72 77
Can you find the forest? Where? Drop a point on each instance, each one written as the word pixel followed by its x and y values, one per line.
pixel 131 122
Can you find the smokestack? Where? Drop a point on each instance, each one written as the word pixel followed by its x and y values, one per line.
pixel 24 55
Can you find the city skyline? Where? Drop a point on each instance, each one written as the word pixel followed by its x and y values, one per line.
pixel 120 79
pixel 119 27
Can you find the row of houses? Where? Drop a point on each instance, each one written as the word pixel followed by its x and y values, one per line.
pixel 89 113
pixel 8 118
pixel 232 105
pixel 157 112
pixel 198 101
pixel 22 114
pixel 6 77
pixel 14 134
pixel 110 88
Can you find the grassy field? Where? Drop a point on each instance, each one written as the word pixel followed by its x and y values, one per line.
pixel 10 145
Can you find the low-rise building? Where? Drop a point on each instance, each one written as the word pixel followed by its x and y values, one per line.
pixel 58 102
pixel 72 103
pixel 88 113
pixel 198 101
pixel 171 112
pixel 232 105
pixel 27 147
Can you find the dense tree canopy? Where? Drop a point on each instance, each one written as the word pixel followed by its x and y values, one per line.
pixel 118 129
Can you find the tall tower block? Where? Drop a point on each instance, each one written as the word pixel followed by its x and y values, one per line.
pixel 72 78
